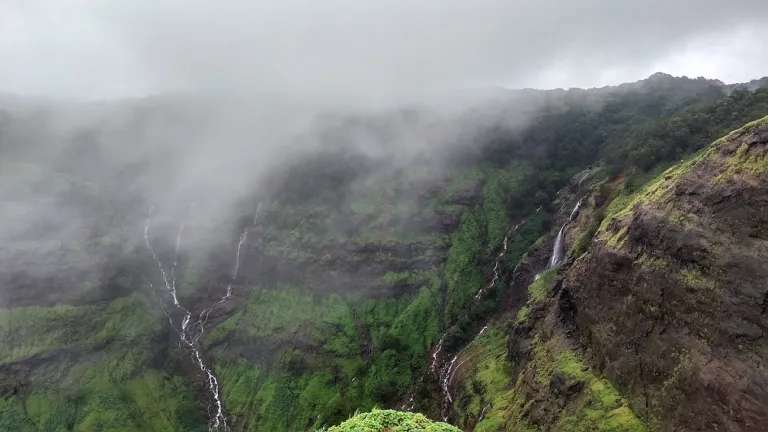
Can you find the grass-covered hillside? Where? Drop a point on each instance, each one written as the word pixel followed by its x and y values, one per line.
pixel 359 272
pixel 624 334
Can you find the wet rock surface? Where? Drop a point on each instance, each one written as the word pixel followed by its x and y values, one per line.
pixel 670 302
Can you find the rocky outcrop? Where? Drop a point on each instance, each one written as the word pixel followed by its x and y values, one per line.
pixel 670 300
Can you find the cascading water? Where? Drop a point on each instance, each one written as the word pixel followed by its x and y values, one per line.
pixel 497 264
pixel 202 320
pixel 558 251
pixel 576 209
pixel 447 372
pixel 581 180
pixel 189 336
pixel 243 237
pixel 257 213
pixel 482 414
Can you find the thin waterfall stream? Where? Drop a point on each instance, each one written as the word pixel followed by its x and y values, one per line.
pixel 446 371
pixel 190 335
pixel 558 250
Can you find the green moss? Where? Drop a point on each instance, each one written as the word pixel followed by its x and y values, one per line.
pixel 223 330
pixel 391 421
pixel 621 419
pixel 749 127
pixel 599 407
pixel 697 279
pixel 658 189
pixel 618 239
pixel 489 385
pixel 523 314
pixel 581 245
pixel 657 263
pixel 537 292
pixel 743 161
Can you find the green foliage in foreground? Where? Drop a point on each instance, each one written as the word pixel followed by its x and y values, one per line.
pixel 391 421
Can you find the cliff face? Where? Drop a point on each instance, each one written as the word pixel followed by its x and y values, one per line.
pixel 656 318
pixel 670 301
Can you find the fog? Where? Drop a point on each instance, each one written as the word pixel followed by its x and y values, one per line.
pixel 167 103
pixel 367 52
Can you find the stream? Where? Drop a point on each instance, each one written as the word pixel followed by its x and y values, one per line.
pixel 190 335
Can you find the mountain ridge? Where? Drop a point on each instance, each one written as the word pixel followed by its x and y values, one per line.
pixel 354 277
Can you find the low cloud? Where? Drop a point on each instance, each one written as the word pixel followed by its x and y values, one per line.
pixel 366 52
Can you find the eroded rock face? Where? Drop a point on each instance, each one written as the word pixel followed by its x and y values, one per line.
pixel 671 299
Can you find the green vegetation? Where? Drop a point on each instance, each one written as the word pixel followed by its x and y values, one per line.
pixel 346 321
pixel 670 138
pixel 658 189
pixel 744 160
pixel 537 292
pixel 697 279
pixel 391 421
pixel 481 232
pixel 585 239
pixel 539 288
pixel 463 268
pixel 488 382
pixel 597 407
pixel 359 352
pixel 116 389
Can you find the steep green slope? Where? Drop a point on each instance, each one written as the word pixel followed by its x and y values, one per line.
pixel 90 368
pixel 653 323
pixel 305 354
pixel 353 270
pixel 683 265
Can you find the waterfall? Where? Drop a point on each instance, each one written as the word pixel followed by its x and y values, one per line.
pixel 243 237
pixel 482 414
pixel 575 211
pixel 437 353
pixel 583 178
pixel 559 249
pixel 257 213
pixel 190 335
pixel 445 374
pixel 497 265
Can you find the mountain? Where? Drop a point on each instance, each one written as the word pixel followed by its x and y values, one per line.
pixel 654 321
pixel 191 264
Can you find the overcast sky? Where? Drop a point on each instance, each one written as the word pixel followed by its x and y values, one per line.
pixel 369 49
